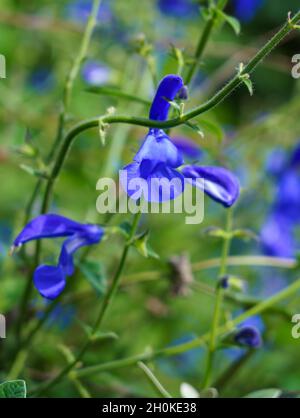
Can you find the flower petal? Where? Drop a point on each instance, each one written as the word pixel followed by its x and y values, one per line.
pixel 277 237
pixel 167 89
pixel 152 184
pixel 47 226
pixel 50 281
pixel 220 184
pixel 158 148
pixel 72 244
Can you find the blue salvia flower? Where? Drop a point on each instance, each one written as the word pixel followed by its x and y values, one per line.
pixel 245 10
pixel 95 73
pixel 178 8
pixel 158 158
pixel 278 232
pixel 248 336
pixel 51 280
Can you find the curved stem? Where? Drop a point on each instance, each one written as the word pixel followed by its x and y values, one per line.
pixel 197 342
pixel 154 381
pixel 103 310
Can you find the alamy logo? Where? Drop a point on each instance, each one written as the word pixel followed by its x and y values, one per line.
pixel 2 326
pixel 2 66
pixel 296 67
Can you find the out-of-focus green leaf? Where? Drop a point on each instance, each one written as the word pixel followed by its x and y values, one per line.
pixel 93 272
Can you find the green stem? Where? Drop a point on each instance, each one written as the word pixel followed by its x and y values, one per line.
pixel 154 381
pixel 197 342
pixel 103 310
pixel 218 302
pixel 91 23
pixel 203 40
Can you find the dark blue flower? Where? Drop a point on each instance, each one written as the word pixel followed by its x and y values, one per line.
pixel 178 8
pixel 278 232
pixel 220 184
pixel 158 159
pixel 276 236
pixel 61 315
pixel 51 280
pixel 95 73
pixel 248 336
pixel 245 10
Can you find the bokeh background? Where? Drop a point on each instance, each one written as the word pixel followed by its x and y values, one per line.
pixel 39 40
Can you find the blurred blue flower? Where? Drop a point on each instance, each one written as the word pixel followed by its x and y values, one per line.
pixel 41 79
pixel 248 336
pixel 79 11
pixel 184 364
pixel 158 158
pixel 61 316
pixel 178 8
pixel 95 74
pixel 51 280
pixel 278 232
pixel 245 10
pixel 254 323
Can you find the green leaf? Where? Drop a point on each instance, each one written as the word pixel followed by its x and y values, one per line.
pixel 265 393
pixel 245 234
pixel 248 83
pixel 34 171
pixel 232 21
pixel 113 91
pixel 195 128
pixel 142 245
pixel 217 232
pixel 211 127
pixel 93 272
pixel 125 228
pixel 13 389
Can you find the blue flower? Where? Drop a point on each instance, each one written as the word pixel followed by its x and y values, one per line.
pixel 278 232
pixel 248 336
pixel 277 236
pixel 95 73
pixel 51 280
pixel 178 8
pixel 245 10
pixel 158 159
pixel 41 79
